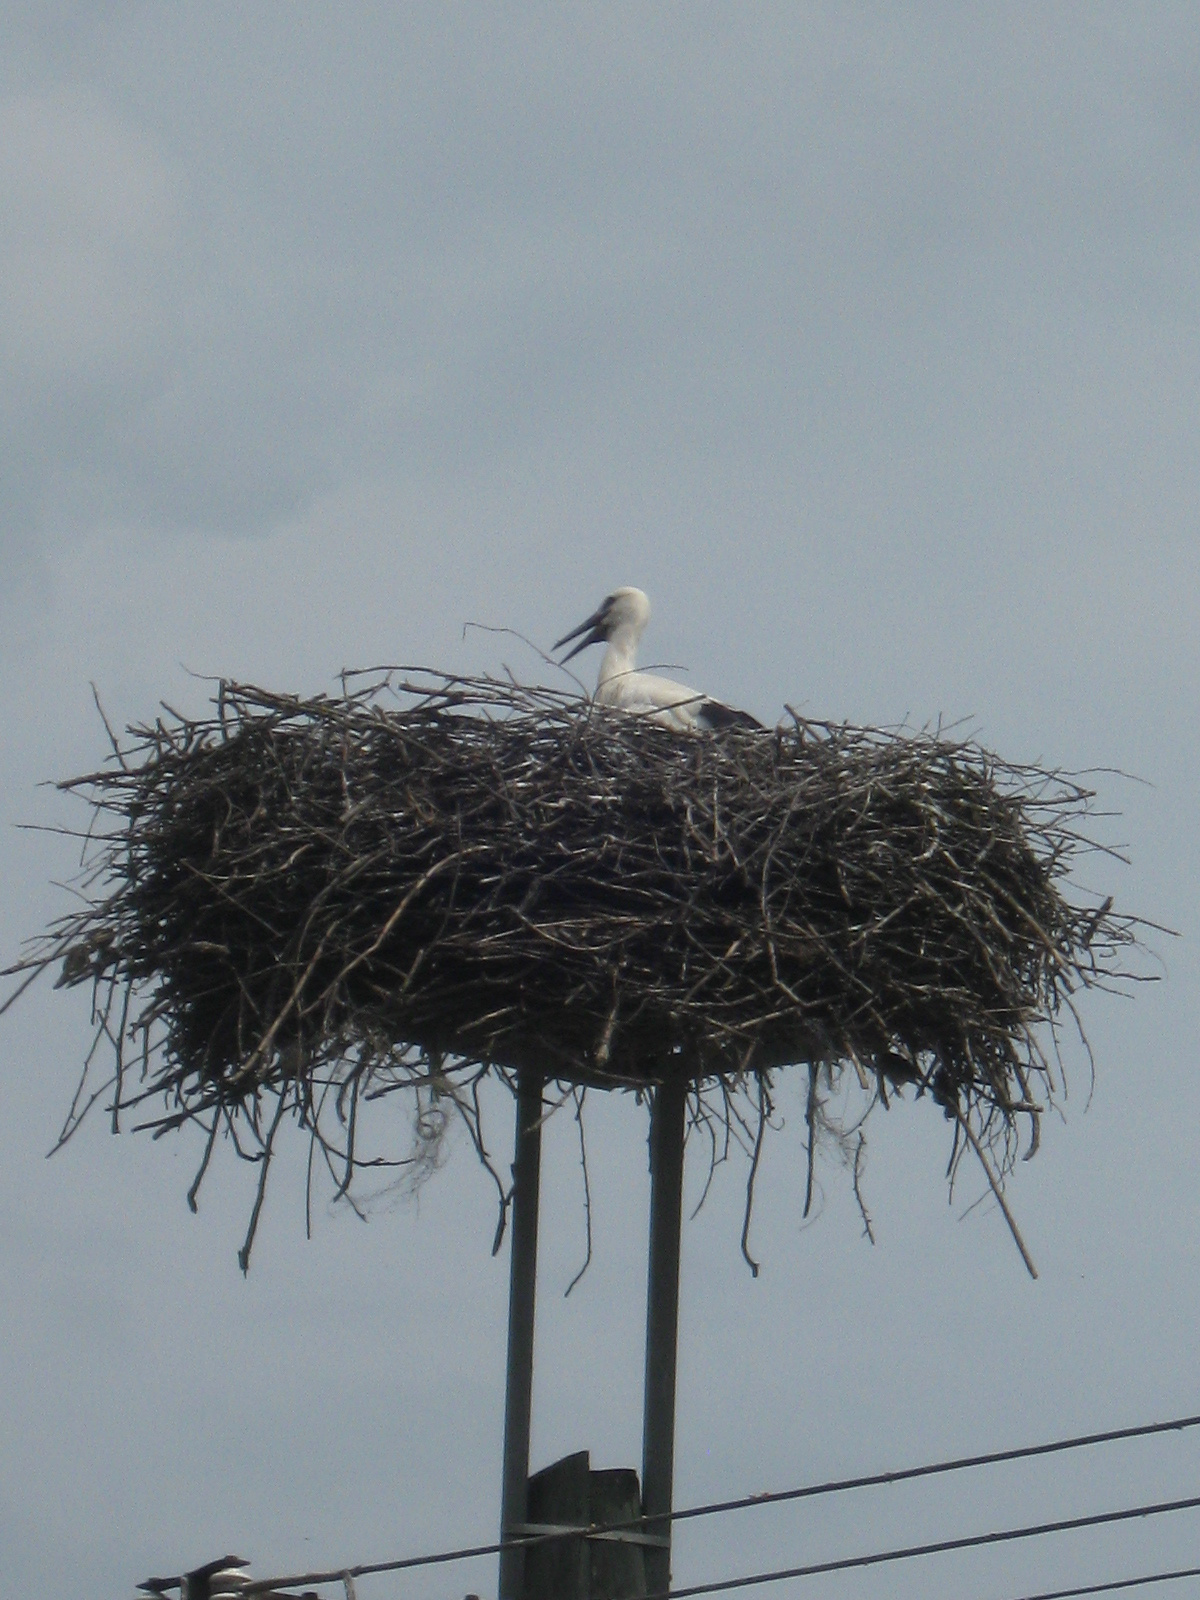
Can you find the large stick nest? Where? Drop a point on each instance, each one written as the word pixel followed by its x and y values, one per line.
pixel 432 877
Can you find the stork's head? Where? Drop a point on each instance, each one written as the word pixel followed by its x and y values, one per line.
pixel 624 610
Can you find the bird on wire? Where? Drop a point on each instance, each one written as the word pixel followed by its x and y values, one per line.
pixel 618 623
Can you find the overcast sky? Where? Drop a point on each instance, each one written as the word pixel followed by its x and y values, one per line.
pixel 867 341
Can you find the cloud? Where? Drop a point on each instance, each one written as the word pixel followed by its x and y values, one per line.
pixel 810 242
pixel 89 216
pixel 88 226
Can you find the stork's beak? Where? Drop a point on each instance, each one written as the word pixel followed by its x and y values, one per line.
pixel 593 631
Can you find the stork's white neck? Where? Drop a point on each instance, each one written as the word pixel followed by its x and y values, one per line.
pixel 620 655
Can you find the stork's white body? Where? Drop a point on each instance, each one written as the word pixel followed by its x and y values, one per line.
pixel 619 623
pixel 620 684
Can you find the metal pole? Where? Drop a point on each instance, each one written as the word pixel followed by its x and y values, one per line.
pixel 667 1121
pixel 522 1291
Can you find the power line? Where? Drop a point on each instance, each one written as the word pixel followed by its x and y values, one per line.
pixel 936 1547
pixel 1115 1583
pixel 956 1464
pixel 745 1502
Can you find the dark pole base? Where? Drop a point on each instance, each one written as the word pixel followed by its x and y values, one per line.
pixel 570 1494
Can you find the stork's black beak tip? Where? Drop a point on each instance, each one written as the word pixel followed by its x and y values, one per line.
pixel 593 636
pixel 592 632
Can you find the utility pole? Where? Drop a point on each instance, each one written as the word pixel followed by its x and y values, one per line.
pixel 522 1294
pixel 570 1495
pixel 667 1128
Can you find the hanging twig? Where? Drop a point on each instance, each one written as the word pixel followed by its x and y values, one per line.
pixel 969 1134
pixel 810 1118
pixel 194 1191
pixel 763 1108
pixel 267 1153
pixel 859 1162
pixel 580 1096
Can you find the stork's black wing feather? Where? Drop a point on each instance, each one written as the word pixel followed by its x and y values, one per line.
pixel 712 714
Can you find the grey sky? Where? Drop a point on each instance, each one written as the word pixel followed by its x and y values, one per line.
pixel 867 341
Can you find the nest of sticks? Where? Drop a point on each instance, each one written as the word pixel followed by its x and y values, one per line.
pixel 302 905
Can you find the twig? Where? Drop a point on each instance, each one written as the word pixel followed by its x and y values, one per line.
pixel 969 1134
pixel 763 1106
pixel 580 1096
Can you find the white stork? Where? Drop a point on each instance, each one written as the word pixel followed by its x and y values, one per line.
pixel 619 622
